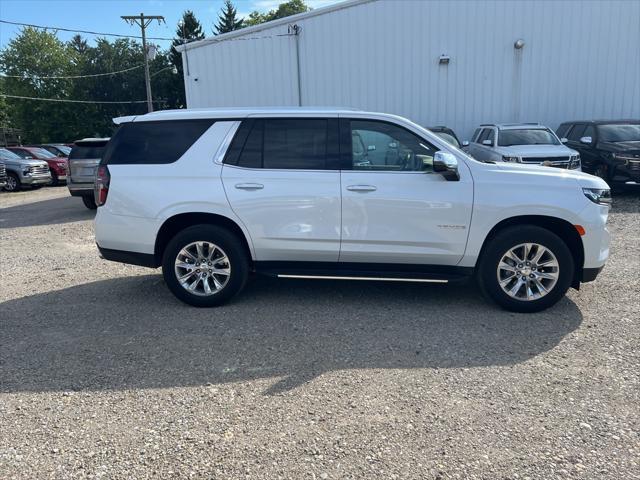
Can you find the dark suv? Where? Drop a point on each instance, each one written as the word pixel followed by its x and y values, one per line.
pixel 609 149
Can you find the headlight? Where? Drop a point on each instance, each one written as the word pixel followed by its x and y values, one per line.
pixel 601 196
pixel 510 159
pixel 575 161
pixel 26 171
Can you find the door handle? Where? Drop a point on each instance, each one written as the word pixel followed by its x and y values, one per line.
pixel 249 186
pixel 361 188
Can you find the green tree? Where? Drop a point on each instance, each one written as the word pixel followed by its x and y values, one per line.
pixel 286 9
pixel 189 29
pixel 228 20
pixel 29 57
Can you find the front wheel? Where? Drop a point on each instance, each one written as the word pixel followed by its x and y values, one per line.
pixel 205 265
pixel 526 269
pixel 89 202
pixel 13 182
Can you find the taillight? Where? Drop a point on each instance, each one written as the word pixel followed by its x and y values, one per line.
pixel 101 189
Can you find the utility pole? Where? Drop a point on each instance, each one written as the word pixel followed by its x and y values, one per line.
pixel 143 22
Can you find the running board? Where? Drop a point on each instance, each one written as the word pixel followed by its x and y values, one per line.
pixel 375 279
pixel 365 271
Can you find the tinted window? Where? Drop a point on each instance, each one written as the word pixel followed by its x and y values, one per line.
pixel 562 129
pixel 619 132
pixel 483 135
pixel 576 132
pixel 475 135
pixel 448 138
pixel 589 132
pixel 153 142
pixel 388 147
pixel 527 136
pixel 291 144
pixel 491 135
pixel 86 151
pixel 295 144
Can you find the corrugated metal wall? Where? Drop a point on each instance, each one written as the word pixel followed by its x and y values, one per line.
pixel 581 59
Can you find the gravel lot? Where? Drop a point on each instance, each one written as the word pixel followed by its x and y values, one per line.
pixel 103 374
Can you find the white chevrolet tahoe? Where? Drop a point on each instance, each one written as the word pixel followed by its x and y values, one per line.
pixel 529 143
pixel 212 195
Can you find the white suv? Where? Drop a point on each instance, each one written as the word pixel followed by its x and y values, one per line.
pixel 212 195
pixel 521 143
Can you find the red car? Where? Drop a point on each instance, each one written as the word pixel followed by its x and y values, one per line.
pixel 59 166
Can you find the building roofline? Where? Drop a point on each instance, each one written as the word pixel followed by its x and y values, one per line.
pixel 273 23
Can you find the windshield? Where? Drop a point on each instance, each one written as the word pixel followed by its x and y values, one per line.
pixel 64 149
pixel 619 132
pixel 7 155
pixel 448 138
pixel 527 136
pixel 41 152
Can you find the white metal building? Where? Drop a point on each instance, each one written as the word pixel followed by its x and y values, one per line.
pixel 437 62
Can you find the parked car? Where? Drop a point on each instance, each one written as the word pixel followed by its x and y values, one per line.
pixel 529 143
pixel 57 166
pixel 211 195
pixel 609 149
pixel 447 135
pixel 58 149
pixel 23 171
pixel 3 174
pixel 83 161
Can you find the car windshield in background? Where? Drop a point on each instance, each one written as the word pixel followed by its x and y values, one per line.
pixel 8 155
pixel 448 138
pixel 41 152
pixel 64 149
pixel 620 132
pixel 528 136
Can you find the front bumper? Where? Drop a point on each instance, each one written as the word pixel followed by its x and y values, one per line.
pixel 590 274
pixel 625 174
pixel 35 179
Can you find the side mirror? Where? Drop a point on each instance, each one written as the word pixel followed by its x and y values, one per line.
pixel 446 164
pixel 564 139
pixel 371 148
pixel 586 140
pixel 465 143
pixel 488 143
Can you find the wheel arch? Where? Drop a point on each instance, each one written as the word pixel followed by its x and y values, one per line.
pixel 174 224
pixel 564 229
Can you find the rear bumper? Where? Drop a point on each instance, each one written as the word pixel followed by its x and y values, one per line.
pixel 132 258
pixel 79 189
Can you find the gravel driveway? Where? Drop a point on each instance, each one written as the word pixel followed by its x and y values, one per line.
pixel 103 374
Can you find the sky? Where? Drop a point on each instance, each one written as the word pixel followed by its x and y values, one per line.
pixel 104 15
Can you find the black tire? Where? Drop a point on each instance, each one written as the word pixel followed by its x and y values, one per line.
pixel 54 179
pixel 89 202
pixel 224 239
pixel 507 239
pixel 13 183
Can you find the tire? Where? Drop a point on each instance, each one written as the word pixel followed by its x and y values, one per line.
pixel 557 253
pixel 89 202
pixel 226 245
pixel 13 183
pixel 54 179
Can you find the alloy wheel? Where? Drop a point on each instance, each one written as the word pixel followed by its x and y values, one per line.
pixel 202 268
pixel 528 271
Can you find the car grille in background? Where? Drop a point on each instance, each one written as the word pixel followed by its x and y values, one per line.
pixel 3 170
pixel 634 165
pixel 558 162
pixel 40 170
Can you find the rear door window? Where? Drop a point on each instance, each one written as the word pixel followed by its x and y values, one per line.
pixel 86 152
pixel 147 143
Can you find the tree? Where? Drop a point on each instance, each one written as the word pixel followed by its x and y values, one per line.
pixel 228 20
pixel 79 44
pixel 189 29
pixel 286 9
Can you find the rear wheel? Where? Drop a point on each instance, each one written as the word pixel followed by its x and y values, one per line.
pixel 89 202
pixel 54 179
pixel 13 182
pixel 526 269
pixel 205 265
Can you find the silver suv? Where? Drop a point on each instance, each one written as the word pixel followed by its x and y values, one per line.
pixel 24 172
pixel 529 143
pixel 83 162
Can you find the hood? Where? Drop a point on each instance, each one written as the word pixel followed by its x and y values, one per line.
pixel 537 151
pixel 538 173
pixel 23 162
pixel 631 146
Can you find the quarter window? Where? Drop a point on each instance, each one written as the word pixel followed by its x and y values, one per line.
pixel 382 146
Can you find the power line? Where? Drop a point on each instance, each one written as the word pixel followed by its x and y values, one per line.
pixel 82 31
pixel 75 101
pixel 26 77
